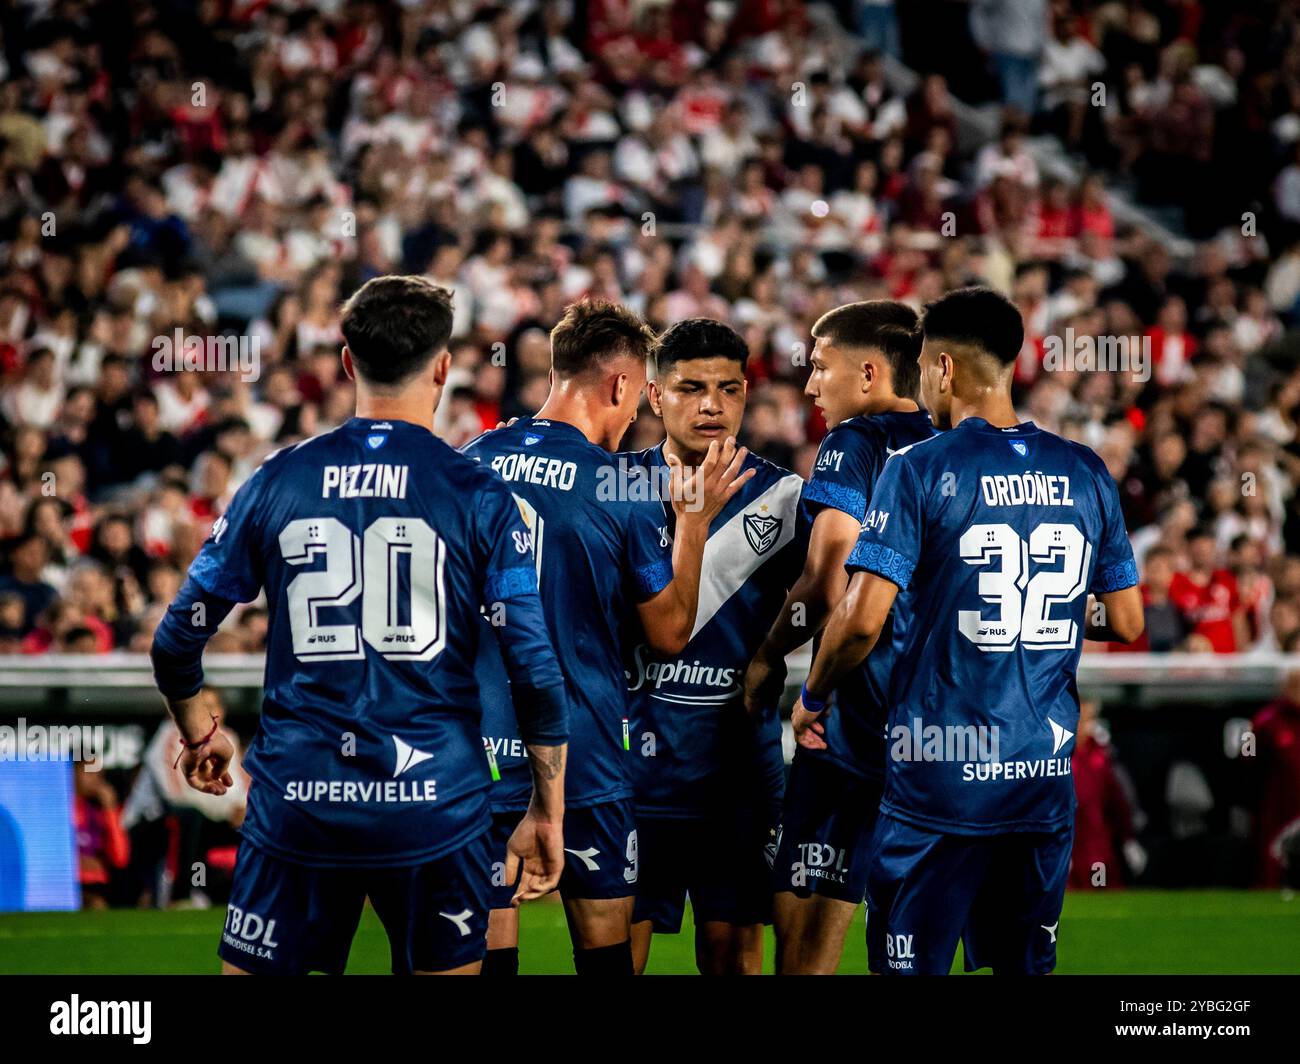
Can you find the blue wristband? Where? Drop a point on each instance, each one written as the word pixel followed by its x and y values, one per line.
pixel 812 705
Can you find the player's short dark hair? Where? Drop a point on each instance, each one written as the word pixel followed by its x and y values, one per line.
pixel 882 323
pixel 593 331
pixel 699 338
pixel 394 326
pixel 980 317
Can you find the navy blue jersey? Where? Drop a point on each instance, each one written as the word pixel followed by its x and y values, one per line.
pixel 694 750
pixel 599 549
pixel 376 544
pixel 849 463
pixel 995 537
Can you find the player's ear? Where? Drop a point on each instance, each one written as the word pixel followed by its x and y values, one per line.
pixel 441 367
pixel 619 389
pixel 652 393
pixel 868 375
pixel 348 366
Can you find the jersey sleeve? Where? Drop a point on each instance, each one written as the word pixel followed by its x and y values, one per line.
pixel 230 565
pixel 514 609
pixel 889 544
pixel 1116 568
pixel 848 463
pixel 649 554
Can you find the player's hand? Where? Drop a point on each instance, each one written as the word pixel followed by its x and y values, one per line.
pixel 207 769
pixel 764 681
pixel 809 731
pixel 538 845
pixel 505 424
pixel 713 482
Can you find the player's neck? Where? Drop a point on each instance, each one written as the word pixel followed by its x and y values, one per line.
pixel 418 409
pixel 893 404
pixel 995 408
pixel 571 410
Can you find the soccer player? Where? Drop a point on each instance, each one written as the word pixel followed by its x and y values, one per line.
pixel 707 780
pixel 990 537
pixel 376 545
pixel 600 548
pixel 864 378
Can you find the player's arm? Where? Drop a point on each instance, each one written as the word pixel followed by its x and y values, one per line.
pixel 881 564
pixel 537 690
pixel 815 593
pixel 177 656
pixel 851 634
pixel 668 615
pixel 225 571
pixel 542 711
pixel 1121 618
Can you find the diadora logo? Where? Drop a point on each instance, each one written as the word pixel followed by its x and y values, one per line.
pixel 1051 929
pixel 1020 447
pixel 900 951
pixel 460 919
pixel 406 757
pixel 376 441
pixel 1060 736
pixel 587 857
pixel 762 530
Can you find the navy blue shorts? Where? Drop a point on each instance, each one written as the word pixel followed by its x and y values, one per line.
pixel 722 862
pixel 600 843
pixel 824 845
pixel 503 826
pixel 289 919
pixel 999 894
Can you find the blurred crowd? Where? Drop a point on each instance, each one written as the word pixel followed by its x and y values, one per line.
pixel 235 168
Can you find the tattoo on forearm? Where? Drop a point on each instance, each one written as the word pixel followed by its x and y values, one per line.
pixel 547 761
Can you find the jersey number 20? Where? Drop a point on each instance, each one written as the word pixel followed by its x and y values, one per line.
pixel 1024 602
pixel 368 567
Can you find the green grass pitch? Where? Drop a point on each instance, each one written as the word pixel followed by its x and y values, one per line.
pixel 1123 932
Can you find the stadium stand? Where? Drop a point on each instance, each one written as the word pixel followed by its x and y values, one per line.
pixel 187 193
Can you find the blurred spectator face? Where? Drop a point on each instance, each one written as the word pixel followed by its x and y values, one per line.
pixel 1203 553
pixel 1158 571
pixel 40 370
pixel 29 558
pixel 89 590
pixel 115 536
pixel 144 412
pixel 164 581
pixel 1170 453
pixel 12 614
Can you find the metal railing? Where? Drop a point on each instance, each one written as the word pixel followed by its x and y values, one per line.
pixel 82 682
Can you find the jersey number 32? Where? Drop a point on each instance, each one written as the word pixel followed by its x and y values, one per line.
pixel 1024 602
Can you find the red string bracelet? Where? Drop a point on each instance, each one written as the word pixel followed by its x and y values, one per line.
pixel 186 745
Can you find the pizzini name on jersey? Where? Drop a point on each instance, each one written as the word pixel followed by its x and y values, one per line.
pixel 371 480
